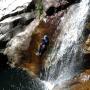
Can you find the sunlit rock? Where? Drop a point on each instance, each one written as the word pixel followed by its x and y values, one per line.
pixel 20 42
pixel 82 81
pixel 8 6
pixel 87 45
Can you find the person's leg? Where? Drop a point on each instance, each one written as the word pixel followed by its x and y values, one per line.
pixel 43 49
pixel 38 51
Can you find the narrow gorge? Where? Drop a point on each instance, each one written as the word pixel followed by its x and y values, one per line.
pixel 64 63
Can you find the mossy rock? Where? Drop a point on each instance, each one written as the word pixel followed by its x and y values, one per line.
pixel 88 26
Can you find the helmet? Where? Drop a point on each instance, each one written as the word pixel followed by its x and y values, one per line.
pixel 45 36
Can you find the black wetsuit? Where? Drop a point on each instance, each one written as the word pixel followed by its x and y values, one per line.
pixel 43 45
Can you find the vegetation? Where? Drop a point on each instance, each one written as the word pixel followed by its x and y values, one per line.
pixel 39 8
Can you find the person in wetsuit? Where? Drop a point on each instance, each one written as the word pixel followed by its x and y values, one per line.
pixel 43 45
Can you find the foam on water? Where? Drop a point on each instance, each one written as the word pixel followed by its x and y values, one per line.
pixel 66 54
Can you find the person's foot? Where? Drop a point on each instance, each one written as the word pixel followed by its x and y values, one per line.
pixel 38 54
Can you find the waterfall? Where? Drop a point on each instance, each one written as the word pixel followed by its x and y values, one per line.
pixel 65 59
pixel 66 55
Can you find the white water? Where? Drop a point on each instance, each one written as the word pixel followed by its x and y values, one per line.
pixel 66 54
pixel 67 47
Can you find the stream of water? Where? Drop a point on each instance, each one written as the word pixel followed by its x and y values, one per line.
pixel 64 61
pixel 66 57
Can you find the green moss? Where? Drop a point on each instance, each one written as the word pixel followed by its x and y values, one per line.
pixel 39 8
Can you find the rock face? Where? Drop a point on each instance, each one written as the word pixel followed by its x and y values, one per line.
pixel 54 6
pixel 82 82
pixel 87 45
pixel 20 42
pixel 21 32
pixel 13 23
pixel 14 79
pixel 18 24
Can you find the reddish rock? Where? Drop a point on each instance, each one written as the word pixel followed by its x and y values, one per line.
pixel 83 81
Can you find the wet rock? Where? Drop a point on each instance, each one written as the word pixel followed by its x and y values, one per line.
pixel 88 26
pixel 16 31
pixel 17 9
pixel 54 6
pixel 3 62
pixel 73 1
pixel 86 63
pixel 50 11
pixel 87 45
pixel 18 79
pixel 83 81
pixel 19 43
pixel 18 25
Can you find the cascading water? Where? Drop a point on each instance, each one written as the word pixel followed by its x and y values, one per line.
pixel 66 56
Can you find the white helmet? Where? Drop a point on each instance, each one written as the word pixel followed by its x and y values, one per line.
pixel 45 36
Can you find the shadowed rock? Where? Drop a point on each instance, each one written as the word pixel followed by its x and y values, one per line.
pixel 3 62
pixel 57 6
